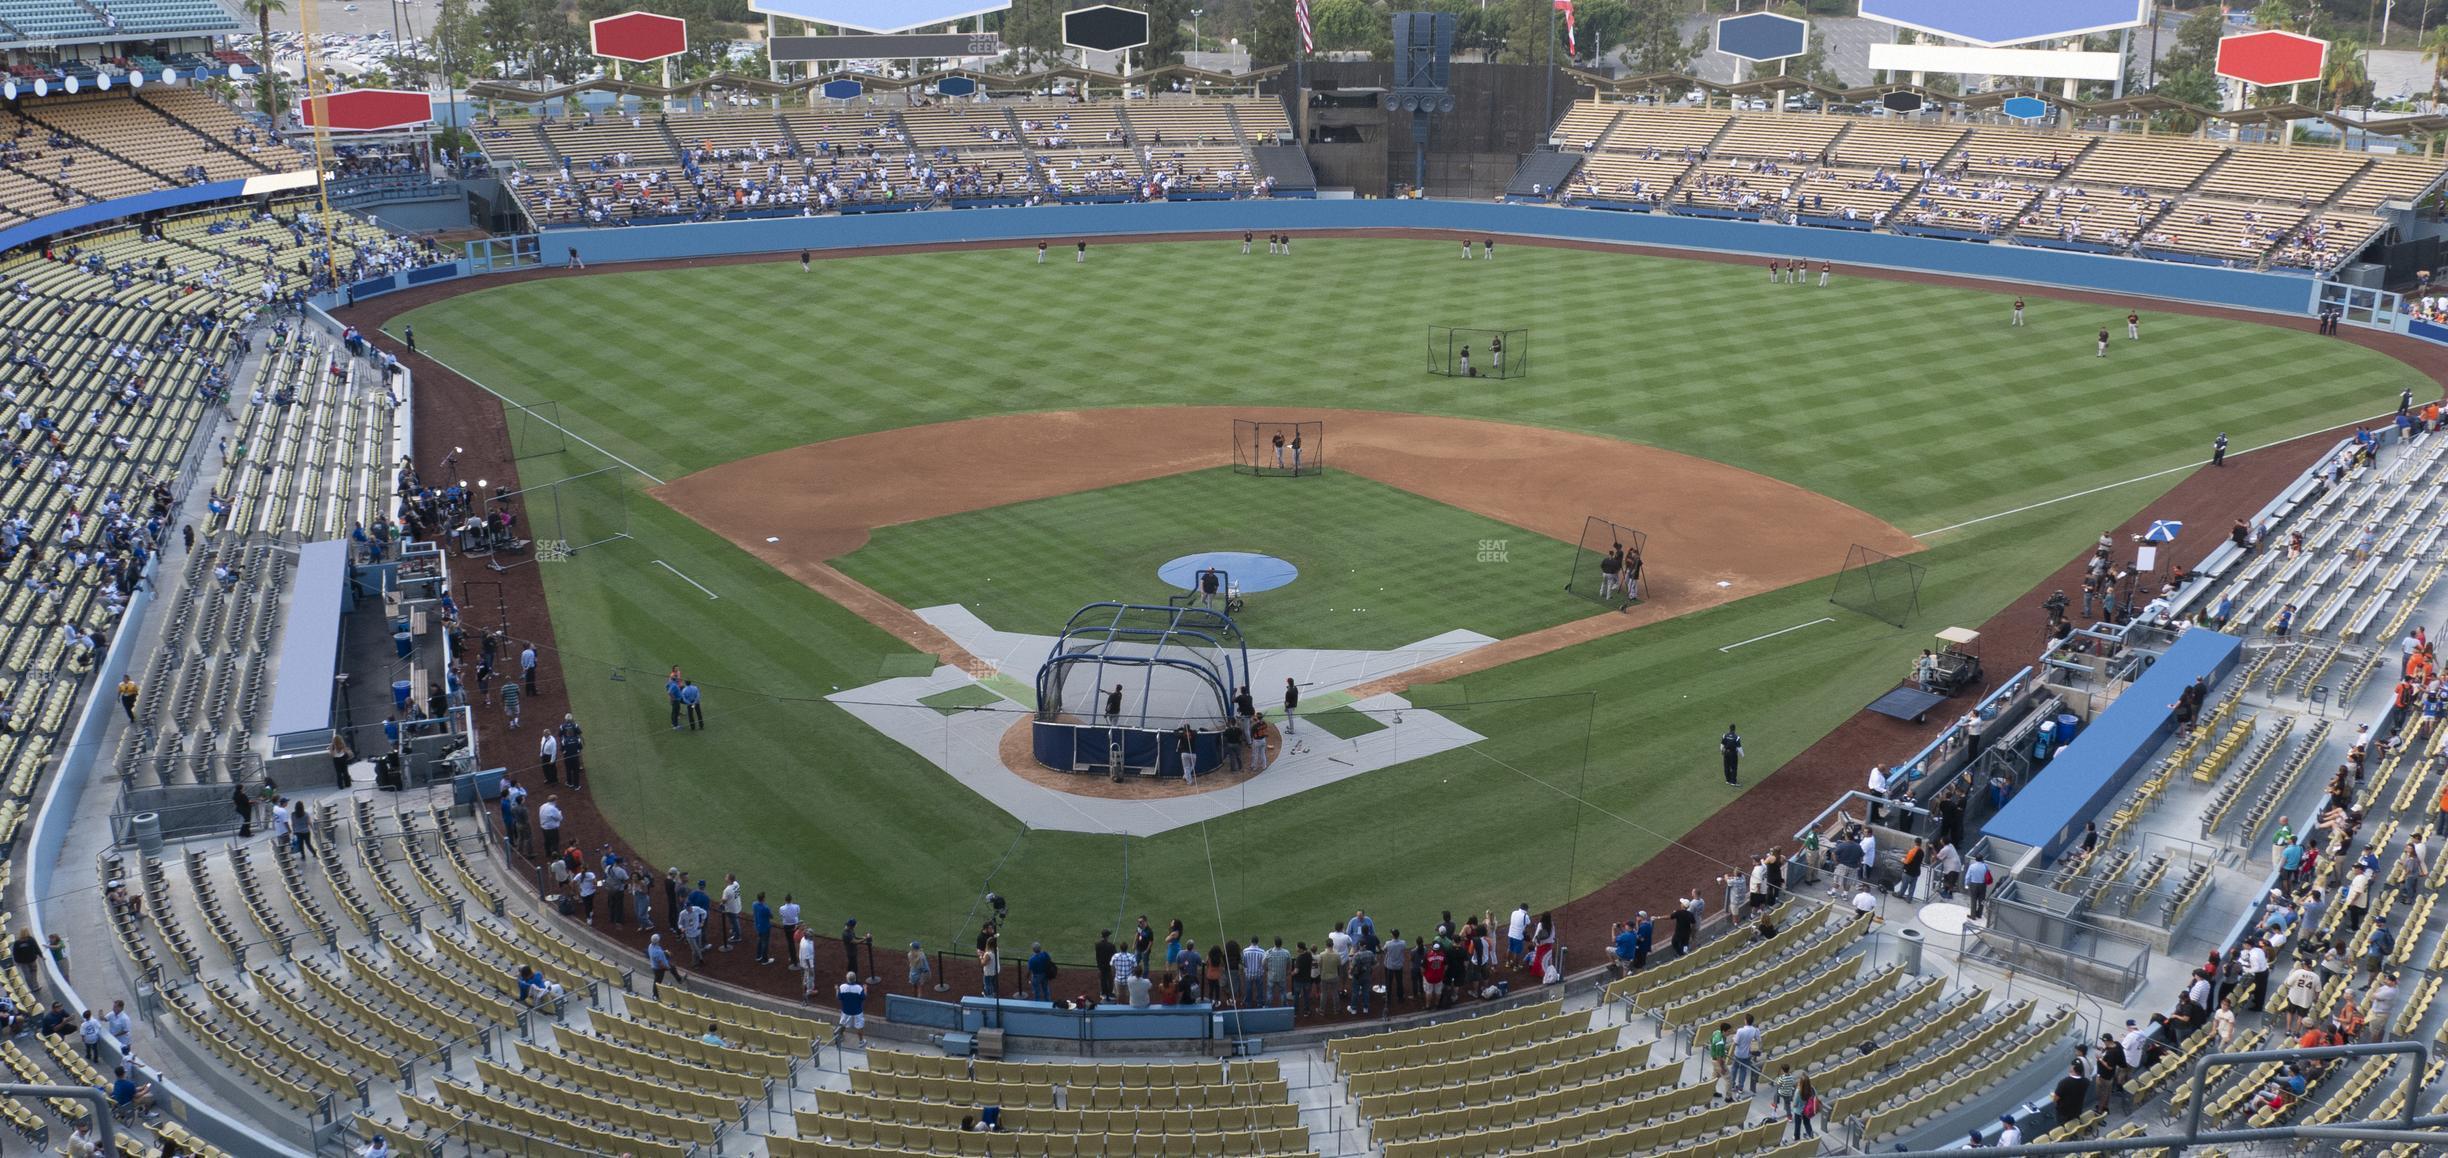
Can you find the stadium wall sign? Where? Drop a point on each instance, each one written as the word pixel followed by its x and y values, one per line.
pixel 878 15
pixel 2290 294
pixel 638 37
pixel 901 46
pixel 1999 23
pixel 367 110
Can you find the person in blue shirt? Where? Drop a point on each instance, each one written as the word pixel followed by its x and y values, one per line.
pixel 1627 944
pixel 761 915
pixel 1642 936
pixel 671 691
pixel 126 1094
pixel 689 696
pixel 660 959
pixel 853 998
pixel 1041 972
pixel 697 899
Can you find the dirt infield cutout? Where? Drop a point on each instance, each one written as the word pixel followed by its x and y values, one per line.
pixel 1716 533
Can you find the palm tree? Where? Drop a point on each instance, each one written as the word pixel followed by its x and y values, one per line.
pixel 2435 54
pixel 263 10
pixel 2345 73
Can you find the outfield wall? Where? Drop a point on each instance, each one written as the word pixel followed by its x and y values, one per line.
pixel 2021 265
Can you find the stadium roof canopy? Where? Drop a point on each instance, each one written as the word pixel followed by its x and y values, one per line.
pixel 494 90
pixel 53 23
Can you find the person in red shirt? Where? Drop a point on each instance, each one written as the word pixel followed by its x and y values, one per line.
pixel 1432 974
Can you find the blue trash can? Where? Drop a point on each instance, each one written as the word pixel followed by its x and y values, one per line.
pixel 404 643
pixel 399 693
pixel 2067 725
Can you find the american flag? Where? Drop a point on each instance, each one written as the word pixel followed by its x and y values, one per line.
pixel 1300 16
pixel 1572 43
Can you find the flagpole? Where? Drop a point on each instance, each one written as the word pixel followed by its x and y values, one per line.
pixel 1551 66
pixel 1300 74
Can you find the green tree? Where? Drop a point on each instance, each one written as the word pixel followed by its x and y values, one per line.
pixel 1347 25
pixel 2347 76
pixel 2196 43
pixel 1812 66
pixel 1601 24
pixel 2435 54
pixel 1168 34
pixel 263 10
pixel 1273 38
pixel 1654 39
pixel 1032 32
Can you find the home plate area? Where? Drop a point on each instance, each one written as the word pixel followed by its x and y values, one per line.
pixel 959 724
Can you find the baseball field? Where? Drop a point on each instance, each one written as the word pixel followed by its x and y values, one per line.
pixel 813 457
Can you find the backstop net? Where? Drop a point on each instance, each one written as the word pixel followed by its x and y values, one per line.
pixel 1171 665
pixel 534 428
pixel 1878 585
pixel 562 516
pixel 1611 564
pixel 1460 352
pixel 1285 449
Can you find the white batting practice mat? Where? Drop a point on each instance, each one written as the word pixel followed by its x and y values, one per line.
pixel 968 743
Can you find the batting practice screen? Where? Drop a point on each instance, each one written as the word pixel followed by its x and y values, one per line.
pixel 1285 449
pixel 1457 352
pixel 1611 566
pixel 1878 585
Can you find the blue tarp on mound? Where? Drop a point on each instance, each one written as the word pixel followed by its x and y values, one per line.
pixel 2049 812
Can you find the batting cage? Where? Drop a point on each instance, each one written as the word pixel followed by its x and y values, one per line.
pixel 1124 678
pixel 1282 449
pixel 1878 585
pixel 535 429
pixel 1611 564
pixel 1458 352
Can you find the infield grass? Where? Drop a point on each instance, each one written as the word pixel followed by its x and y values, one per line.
pixel 1917 403
pixel 1379 567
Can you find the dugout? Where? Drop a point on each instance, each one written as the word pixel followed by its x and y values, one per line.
pixel 1174 666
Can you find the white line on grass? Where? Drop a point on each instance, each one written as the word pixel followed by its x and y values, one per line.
pixel 540 418
pixel 685 579
pixel 2135 479
pixel 1780 631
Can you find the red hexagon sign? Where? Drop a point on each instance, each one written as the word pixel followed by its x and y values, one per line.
pixel 2272 58
pixel 367 110
pixel 638 37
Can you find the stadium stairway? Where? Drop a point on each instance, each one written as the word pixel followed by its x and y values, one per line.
pixel 1543 172
pixel 207 139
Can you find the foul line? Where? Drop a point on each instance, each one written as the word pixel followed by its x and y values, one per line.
pixel 685 579
pixel 1774 634
pixel 471 380
pixel 2137 478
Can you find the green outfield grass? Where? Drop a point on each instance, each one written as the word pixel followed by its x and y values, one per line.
pixel 1917 403
pixel 1379 567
